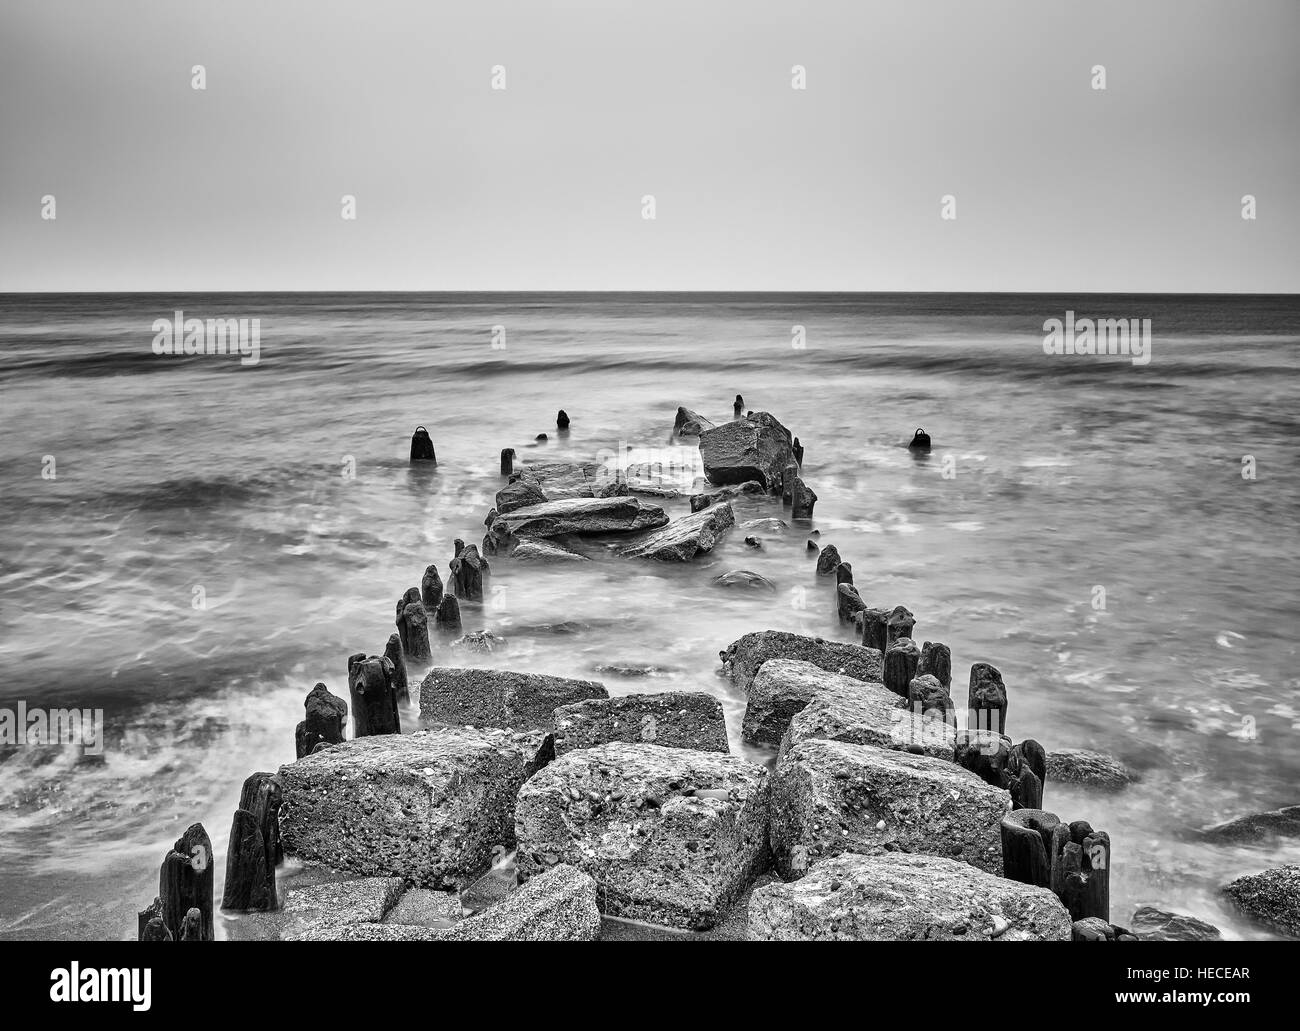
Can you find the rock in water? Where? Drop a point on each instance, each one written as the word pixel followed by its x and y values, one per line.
pixel 936 661
pixel 185 885
pixel 572 516
pixel 830 797
pixel 803 498
pixel 507 460
pixel 674 719
pixel 699 502
pixel 900 897
pixel 371 681
pixel 1087 769
pixel 743 657
pixel 413 630
pixel 481 697
pixel 755 448
pixel 480 642
pixel 920 441
pixel 428 807
pixel 545 551
pixel 430 589
pixel 327 716
pixel 393 653
pixel 848 601
pixel 519 494
pixel 469 573
pixel 1156 925
pixel 875 629
pixel 1259 828
pixel 685 538
pixel 670 835
pixel 828 560
pixel 422 446
pixel 1026 771
pixel 690 424
pixel 744 578
pixel 986 702
pixel 1271 897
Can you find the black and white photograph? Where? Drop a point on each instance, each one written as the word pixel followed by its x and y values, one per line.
pixel 559 470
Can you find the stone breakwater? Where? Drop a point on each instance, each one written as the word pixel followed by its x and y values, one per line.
pixel 536 807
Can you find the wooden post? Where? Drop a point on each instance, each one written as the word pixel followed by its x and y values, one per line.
pixel 185 883
pixel 507 461
pixel 927 697
pixel 155 931
pixel 797 448
pixel 149 919
pixel 430 589
pixel 875 630
pixel 422 446
pixel 848 603
pixel 920 441
pixel 250 879
pixel 900 665
pixel 1027 846
pixel 192 927
pixel 738 407
pixel 262 795
pixel 900 624
pixel 413 629
pixel 936 660
pixel 374 697
pixel 327 716
pixel 804 498
pixel 447 619
pixel 844 573
pixel 393 653
pixel 828 560
pixel 985 754
pixel 787 483
pixel 562 420
pixel 1081 870
pixel 986 700
pixel 1026 773
pixel 469 573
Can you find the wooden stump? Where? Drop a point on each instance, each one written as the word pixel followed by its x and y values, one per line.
pixel 738 406
pixel 152 915
pixel 875 629
pixel 920 441
pixel 562 420
pixel 797 448
pixel 250 880
pixel 927 697
pixel 155 931
pixel 185 883
pixel 1027 846
pixel 262 795
pixel 936 660
pixel 985 754
pixel 986 700
pixel 374 696
pixel 192 927
pixel 413 629
pixel 804 498
pixel 1026 774
pixel 469 572
pixel 507 461
pixel 828 560
pixel 393 653
pixel 430 589
pixel 848 603
pixel 900 665
pixel 447 619
pixel 844 573
pixel 900 624
pixel 422 446
pixel 327 716
pixel 787 483
pixel 1081 870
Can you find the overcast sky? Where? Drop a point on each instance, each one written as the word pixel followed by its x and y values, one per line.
pixel 757 186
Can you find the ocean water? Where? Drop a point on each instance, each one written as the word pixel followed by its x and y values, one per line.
pixel 1050 477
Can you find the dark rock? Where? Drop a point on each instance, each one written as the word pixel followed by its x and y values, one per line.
pixel 743 657
pixel 1258 828
pixel 744 578
pixel 1087 769
pixel 675 719
pixel 326 719
pixel 519 494
pixel 803 498
pixel 900 665
pixel 1271 898
pixel 469 574
pixel 393 653
pixel 844 573
pixel 562 420
pixel 690 424
pixel 985 753
pixel 900 624
pixel 480 642
pixel 1156 925
pixel 508 455
pixel 812 546
pixel 685 538
pixel 754 542
pixel 447 619
pixel 372 684
pixel 413 630
pixel 848 602
pixel 828 560
pixel 875 629
pixel 542 550
pixel 572 516
pixel 926 695
pixel 756 448
pixel 430 589
pixel 422 446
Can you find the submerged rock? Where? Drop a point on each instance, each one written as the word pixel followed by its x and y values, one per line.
pixel 1271 898
pixel 572 517
pixel 673 719
pixel 338 903
pixel 685 538
pixel 900 897
pixel 756 448
pixel 1156 925
pixel 671 836
pixel 480 642
pixel 699 502
pixel 744 578
pixel 545 551
pixel 355 806
pixel 742 658
pixel 690 424
pixel 1087 769
pixel 1257 828
pixel 828 560
pixel 478 697
pixel 830 797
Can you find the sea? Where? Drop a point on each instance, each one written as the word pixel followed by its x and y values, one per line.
pixel 192 541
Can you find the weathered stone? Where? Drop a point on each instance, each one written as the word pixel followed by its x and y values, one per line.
pixel 685 538
pixel 746 578
pixel 542 550
pixel 843 709
pixel 1271 897
pixel 848 601
pixel 674 719
pixel 780 689
pixel 900 624
pixel 828 560
pixel 478 697
pixel 830 797
pixel 480 642
pixel 743 657
pixel 1156 925
pixel 557 905
pixel 690 424
pixel 900 897
pixel 936 661
pixel 802 500
pixel 338 903
pixel 699 502
pixel 671 836
pixel 423 907
pixel 1258 828
pixel 1087 769
pixel 926 695
pixel 519 494
pixel 572 516
pixel 985 753
pixel 755 448
pixel 428 806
